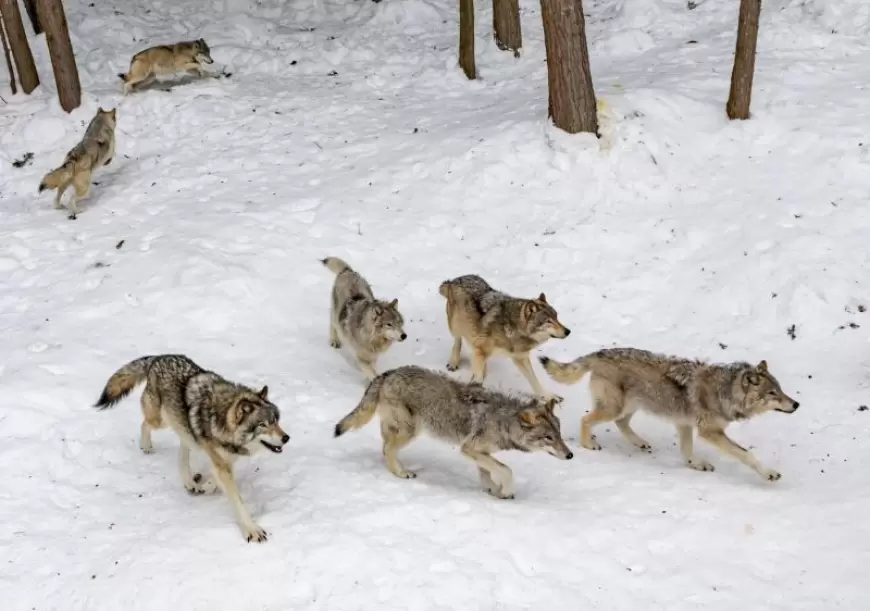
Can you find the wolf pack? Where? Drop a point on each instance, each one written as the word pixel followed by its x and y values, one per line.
pixel 226 420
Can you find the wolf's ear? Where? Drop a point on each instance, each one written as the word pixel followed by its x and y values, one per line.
pixel 264 393
pixel 542 298
pixel 201 41
pixel 394 304
pixel 242 409
pixel 750 378
pixel 528 417
pixel 530 307
pixel 762 367
pixel 550 404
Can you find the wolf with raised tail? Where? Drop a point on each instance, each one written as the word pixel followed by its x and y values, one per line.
pixel 223 419
pixel 691 394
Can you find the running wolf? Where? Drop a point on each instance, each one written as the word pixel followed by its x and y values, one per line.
pixel 493 322
pixel 223 419
pixel 95 150
pixel 368 325
pixel 166 60
pixel 411 399
pixel 691 394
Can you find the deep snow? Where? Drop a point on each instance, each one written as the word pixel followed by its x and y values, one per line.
pixel 680 233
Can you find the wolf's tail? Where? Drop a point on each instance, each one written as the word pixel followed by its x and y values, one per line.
pixel 57 177
pixel 565 373
pixel 365 411
pixel 444 288
pixel 123 76
pixel 124 381
pixel 335 265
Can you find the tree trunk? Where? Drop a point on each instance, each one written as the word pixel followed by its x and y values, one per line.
pixel 8 57
pixel 569 79
pixel 30 7
pixel 744 60
pixel 63 61
pixel 466 38
pixel 27 75
pixel 506 26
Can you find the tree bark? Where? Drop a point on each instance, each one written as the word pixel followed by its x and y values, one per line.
pixel 506 26
pixel 466 38
pixel 27 75
pixel 63 60
pixel 8 57
pixel 571 96
pixel 740 95
pixel 30 7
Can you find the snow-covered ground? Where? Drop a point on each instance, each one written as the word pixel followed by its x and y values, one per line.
pixel 347 129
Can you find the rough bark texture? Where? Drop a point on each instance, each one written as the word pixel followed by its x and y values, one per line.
pixel 30 7
pixel 506 26
pixel 466 38
pixel 744 60
pixel 27 75
pixel 63 61
pixel 572 98
pixel 8 57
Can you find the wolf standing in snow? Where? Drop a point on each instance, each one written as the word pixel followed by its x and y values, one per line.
pixel 166 60
pixel 493 322
pixel 410 400
pixel 368 325
pixel 691 394
pixel 223 419
pixel 95 150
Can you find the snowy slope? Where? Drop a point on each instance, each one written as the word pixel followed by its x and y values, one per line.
pixel 680 233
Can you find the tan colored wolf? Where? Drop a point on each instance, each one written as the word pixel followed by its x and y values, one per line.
pixel 691 394
pixel 493 322
pixel 368 325
pixel 166 60
pixel 223 419
pixel 95 150
pixel 411 400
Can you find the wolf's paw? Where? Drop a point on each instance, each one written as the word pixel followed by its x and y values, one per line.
pixel 72 216
pixel 700 465
pixel 334 343
pixel 149 449
pixel 201 485
pixel 500 493
pixel 254 533
pixel 452 366
pixel 591 444
pixel 405 474
pixel 640 444
pixel 770 475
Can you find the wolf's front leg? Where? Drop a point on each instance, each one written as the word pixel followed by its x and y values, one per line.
pixel 722 442
pixel 498 473
pixel 223 472
pixel 367 365
pixel 525 366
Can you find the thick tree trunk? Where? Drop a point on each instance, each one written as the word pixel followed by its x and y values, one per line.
pixel 8 57
pixel 30 7
pixel 18 43
pixel 466 38
pixel 571 96
pixel 744 60
pixel 63 61
pixel 506 26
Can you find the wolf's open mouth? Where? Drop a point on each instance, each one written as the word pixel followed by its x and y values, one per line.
pixel 270 447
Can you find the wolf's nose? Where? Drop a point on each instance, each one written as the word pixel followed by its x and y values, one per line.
pixel 403 337
pixel 567 332
pixel 285 438
pixel 569 456
pixel 795 405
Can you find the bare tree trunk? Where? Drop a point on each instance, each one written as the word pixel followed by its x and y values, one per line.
pixel 571 96
pixel 30 7
pixel 8 58
pixel 466 38
pixel 506 26
pixel 744 60
pixel 27 75
pixel 63 60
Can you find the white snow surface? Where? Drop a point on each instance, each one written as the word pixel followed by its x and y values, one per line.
pixel 678 232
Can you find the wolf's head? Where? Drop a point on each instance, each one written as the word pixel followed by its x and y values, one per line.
pixel 540 320
pixel 388 322
pixel 255 420
pixel 203 53
pixel 762 393
pixel 109 116
pixel 537 429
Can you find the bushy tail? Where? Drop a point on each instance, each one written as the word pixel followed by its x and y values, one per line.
pixel 444 289
pixel 123 76
pixel 335 265
pixel 57 177
pixel 124 381
pixel 365 411
pixel 565 373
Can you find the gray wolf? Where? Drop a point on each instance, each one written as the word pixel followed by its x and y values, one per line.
pixel 95 150
pixel 167 60
pixel 493 322
pixel 410 400
pixel 221 418
pixel 368 325
pixel 691 394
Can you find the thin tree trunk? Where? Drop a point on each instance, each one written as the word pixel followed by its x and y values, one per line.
pixel 466 38
pixel 569 79
pixel 8 58
pixel 744 60
pixel 30 7
pixel 27 75
pixel 506 26
pixel 63 60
